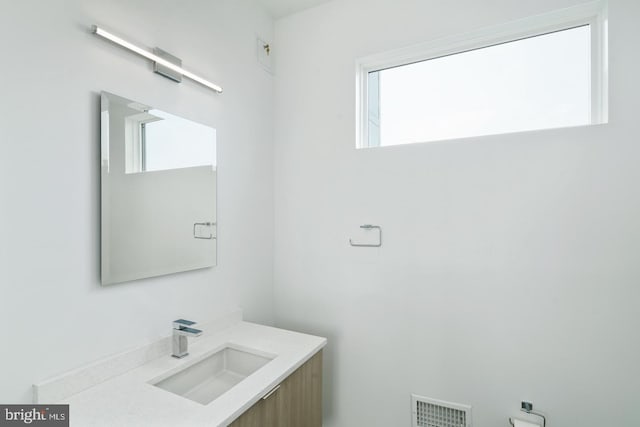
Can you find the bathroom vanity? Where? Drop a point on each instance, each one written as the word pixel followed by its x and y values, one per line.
pixel 295 402
pixel 237 374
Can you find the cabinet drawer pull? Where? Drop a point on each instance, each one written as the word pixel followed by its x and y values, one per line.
pixel 273 390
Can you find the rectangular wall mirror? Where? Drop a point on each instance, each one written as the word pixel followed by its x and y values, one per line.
pixel 158 192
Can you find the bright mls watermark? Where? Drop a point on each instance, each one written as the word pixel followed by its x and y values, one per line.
pixel 35 415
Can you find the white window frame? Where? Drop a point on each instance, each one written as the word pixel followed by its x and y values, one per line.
pixel 593 14
pixel 135 141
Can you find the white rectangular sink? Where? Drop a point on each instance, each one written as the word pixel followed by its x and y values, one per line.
pixel 209 378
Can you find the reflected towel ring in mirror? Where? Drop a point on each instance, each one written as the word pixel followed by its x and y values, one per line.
pixel 203 224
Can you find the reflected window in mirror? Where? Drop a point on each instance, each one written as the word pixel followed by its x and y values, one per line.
pixel 151 137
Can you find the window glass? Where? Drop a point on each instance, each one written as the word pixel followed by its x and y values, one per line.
pixel 533 83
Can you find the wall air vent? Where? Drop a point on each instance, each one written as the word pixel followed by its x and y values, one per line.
pixel 427 412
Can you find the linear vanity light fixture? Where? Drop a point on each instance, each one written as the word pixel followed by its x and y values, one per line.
pixel 154 57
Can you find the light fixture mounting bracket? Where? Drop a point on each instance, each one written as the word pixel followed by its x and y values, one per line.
pixel 166 71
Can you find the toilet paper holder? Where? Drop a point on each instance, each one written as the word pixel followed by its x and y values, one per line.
pixel 527 407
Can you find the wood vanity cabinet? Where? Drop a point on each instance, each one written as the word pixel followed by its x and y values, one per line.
pixel 296 403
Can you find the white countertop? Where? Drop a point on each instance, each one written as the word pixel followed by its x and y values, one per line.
pixel 130 400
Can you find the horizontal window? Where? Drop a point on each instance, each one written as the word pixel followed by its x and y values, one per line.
pixel 541 81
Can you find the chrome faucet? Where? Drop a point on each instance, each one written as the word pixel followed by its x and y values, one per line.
pixel 181 331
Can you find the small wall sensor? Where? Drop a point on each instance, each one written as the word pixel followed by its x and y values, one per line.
pixel 265 53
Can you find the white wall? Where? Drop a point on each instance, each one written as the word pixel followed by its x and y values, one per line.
pixel 510 265
pixel 54 314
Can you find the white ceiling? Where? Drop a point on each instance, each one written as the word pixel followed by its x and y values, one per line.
pixel 280 8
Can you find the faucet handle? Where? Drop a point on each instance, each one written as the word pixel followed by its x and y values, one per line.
pixel 182 324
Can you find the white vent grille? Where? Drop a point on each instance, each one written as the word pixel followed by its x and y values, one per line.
pixel 429 412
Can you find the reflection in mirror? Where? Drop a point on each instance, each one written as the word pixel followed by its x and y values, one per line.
pixel 158 192
pixel 152 137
